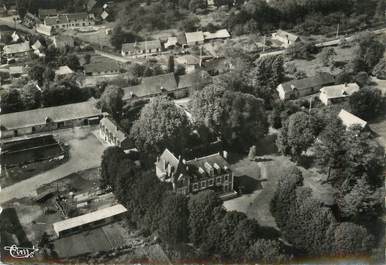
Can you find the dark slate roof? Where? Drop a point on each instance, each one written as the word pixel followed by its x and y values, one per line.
pixel 319 80
pixel 42 13
pixel 151 86
pixel 101 67
pixel 200 168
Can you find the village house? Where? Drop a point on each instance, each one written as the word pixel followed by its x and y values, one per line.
pixel 90 220
pixel 112 134
pixel 190 62
pixel 141 49
pixel 285 38
pixel 43 13
pixel 194 38
pixel 101 68
pixel 304 87
pixel 49 119
pixel 62 41
pixel 152 86
pixel 45 30
pixel 221 34
pixel 171 42
pixel 19 50
pixel 187 177
pixel 63 72
pixel 338 93
pixel 348 119
pixel 71 20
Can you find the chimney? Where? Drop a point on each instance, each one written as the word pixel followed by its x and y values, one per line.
pixel 225 154
pixel 183 161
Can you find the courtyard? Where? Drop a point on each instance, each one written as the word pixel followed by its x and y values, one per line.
pixel 85 152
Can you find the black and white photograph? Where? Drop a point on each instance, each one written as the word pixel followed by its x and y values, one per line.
pixel 192 132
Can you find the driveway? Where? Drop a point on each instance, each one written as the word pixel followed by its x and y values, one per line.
pixel 85 152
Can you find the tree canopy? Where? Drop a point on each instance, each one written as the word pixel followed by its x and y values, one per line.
pixel 161 124
pixel 238 117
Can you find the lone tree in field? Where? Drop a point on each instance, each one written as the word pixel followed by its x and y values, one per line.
pixel 161 124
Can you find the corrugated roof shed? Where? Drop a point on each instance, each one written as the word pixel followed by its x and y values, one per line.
pixel 88 218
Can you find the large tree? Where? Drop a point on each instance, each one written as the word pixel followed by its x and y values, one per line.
pixel 238 117
pixel 298 134
pixel 11 101
pixel 173 226
pixel 111 159
pixel 111 101
pixel 266 251
pixel 161 124
pixel 362 203
pixel 30 96
pixel 202 209
pixel 352 239
pixel 330 148
pixel 367 103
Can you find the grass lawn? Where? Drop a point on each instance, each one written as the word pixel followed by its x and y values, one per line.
pixel 261 176
pixel 311 67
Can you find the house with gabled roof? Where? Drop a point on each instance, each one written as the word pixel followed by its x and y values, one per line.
pixel 141 49
pixel 44 29
pixel 194 38
pixel 112 133
pixel 63 71
pixel 220 34
pixel 338 93
pixel 285 38
pixel 191 176
pixel 70 20
pixel 304 87
pixel 348 119
pixel 22 49
pixel 152 86
pixel 190 62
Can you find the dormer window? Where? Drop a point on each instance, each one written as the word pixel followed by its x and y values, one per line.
pixel 48 120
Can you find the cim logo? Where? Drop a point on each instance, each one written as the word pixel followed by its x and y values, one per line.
pixel 21 253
